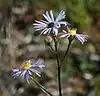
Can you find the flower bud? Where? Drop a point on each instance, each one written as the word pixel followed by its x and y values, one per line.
pixel 48 40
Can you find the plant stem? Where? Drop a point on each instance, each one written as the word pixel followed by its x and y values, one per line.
pixel 70 41
pixel 59 69
pixel 52 49
pixel 41 87
pixel 59 81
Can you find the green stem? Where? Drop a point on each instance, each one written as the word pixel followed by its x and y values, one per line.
pixel 41 87
pixel 70 41
pixel 52 48
pixel 59 81
pixel 59 69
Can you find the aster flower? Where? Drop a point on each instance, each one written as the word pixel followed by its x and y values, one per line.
pixel 27 69
pixel 71 33
pixel 50 25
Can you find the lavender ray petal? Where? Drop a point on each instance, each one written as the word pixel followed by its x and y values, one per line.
pixel 60 16
pixel 38 64
pixel 49 30
pixel 38 22
pixel 82 38
pixel 28 77
pixel 44 21
pixel 55 31
pixel 47 17
pixel 23 74
pixel 39 29
pixel 30 73
pixel 65 31
pixel 57 25
pixel 40 26
pixel 43 31
pixel 16 73
pixel 63 23
pixel 36 72
pixel 65 35
pixel 79 38
pixel 51 14
pixel 15 70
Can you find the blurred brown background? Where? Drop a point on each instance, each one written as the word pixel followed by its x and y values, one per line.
pixel 19 42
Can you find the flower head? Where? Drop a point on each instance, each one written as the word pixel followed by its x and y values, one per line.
pixel 71 33
pixel 26 70
pixel 50 25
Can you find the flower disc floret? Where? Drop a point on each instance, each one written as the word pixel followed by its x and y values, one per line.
pixel 72 31
pixel 26 65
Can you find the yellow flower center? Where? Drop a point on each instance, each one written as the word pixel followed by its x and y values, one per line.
pixel 72 31
pixel 26 65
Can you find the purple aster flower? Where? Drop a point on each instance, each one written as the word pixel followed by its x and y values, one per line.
pixel 27 69
pixel 50 25
pixel 72 33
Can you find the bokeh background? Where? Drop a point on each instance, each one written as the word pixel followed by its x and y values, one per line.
pixel 19 42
